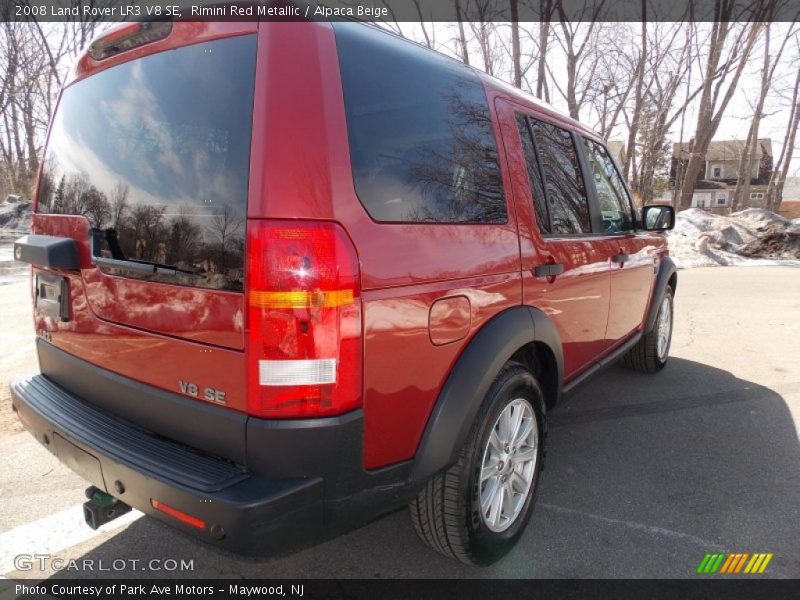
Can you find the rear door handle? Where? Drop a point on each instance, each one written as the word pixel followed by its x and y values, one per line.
pixel 548 270
pixel 620 258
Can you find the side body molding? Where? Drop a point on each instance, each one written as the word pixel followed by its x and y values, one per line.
pixel 470 379
pixel 666 271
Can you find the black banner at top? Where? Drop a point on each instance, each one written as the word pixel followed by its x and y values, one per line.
pixel 400 10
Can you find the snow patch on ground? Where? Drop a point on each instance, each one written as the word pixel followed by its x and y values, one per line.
pixel 752 236
pixel 15 216
pixel 15 220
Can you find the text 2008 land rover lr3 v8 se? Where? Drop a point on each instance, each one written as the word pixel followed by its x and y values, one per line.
pixel 292 276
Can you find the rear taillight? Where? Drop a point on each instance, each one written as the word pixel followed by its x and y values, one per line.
pixel 127 37
pixel 304 320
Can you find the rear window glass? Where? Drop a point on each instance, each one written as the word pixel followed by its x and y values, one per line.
pixel 422 146
pixel 155 152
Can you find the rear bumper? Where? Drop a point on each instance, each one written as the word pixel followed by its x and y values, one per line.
pixel 242 512
pixel 270 485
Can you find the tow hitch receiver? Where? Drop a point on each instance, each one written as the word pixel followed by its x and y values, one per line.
pixel 102 508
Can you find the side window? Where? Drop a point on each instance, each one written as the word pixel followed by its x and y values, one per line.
pixel 534 174
pixel 615 204
pixel 422 146
pixel 566 194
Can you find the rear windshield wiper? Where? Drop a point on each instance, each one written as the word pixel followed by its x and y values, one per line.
pixel 96 238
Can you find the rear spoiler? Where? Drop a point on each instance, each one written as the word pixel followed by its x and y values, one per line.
pixel 47 251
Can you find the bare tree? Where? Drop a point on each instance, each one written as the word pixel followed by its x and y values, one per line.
pixel 119 205
pixel 36 57
pixel 483 30
pixel 545 13
pixel 226 230
pixel 714 99
pixel 581 43
pixel 462 38
pixel 781 168
pixel 515 51
pixel 655 108
pixel 747 161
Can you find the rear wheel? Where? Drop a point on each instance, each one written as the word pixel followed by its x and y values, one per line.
pixel 476 510
pixel 650 354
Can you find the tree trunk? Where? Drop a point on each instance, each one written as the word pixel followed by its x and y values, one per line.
pixel 781 169
pixel 544 35
pixel 515 51
pixel 461 36
pixel 638 102
pixel 707 119
pixel 747 162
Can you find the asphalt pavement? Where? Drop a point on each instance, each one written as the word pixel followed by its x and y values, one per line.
pixel 644 474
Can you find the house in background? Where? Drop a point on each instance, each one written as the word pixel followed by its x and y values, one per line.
pixel 790 205
pixel 716 182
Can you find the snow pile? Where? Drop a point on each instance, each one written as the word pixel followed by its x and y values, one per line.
pixel 15 220
pixel 15 216
pixel 749 237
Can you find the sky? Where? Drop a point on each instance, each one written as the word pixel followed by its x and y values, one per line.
pixel 736 119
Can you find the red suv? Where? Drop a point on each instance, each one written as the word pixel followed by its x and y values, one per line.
pixel 292 276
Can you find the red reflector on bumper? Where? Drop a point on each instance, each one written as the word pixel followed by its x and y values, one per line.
pixel 177 514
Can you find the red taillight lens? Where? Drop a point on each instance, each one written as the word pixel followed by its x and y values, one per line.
pixel 304 320
pixel 127 37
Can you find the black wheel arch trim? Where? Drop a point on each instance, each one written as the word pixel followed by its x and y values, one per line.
pixel 470 378
pixel 666 270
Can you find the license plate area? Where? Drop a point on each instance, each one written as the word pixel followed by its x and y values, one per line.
pixel 80 461
pixel 52 296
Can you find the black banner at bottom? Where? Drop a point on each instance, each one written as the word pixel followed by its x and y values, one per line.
pixel 385 589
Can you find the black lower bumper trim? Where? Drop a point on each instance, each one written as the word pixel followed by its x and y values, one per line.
pixel 258 515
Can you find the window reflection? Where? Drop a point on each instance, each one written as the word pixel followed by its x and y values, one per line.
pixel 566 194
pixel 156 151
pixel 422 145
pixel 611 194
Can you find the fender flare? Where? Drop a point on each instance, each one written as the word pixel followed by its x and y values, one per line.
pixel 470 378
pixel 665 272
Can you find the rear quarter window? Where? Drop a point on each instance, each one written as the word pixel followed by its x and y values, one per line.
pixel 422 146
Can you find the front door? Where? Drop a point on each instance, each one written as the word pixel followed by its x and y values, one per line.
pixel 632 252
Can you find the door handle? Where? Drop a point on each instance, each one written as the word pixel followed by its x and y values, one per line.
pixel 548 270
pixel 620 258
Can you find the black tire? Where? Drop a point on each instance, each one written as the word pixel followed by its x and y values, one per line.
pixel 643 357
pixel 446 513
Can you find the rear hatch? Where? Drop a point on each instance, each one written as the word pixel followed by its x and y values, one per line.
pixel 147 168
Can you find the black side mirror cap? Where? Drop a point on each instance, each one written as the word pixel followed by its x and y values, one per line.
pixel 658 217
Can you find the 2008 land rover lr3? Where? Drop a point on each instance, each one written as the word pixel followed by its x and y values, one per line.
pixel 289 277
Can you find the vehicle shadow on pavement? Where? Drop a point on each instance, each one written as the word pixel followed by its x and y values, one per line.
pixel 644 475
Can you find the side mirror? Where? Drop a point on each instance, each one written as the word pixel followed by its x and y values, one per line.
pixel 658 217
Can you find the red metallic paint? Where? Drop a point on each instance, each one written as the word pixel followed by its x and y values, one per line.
pixel 449 320
pixel 300 168
pixel 578 300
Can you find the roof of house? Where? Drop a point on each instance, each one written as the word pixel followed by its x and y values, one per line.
pixel 724 150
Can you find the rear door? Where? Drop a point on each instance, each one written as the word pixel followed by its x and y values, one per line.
pixel 147 168
pixel 566 273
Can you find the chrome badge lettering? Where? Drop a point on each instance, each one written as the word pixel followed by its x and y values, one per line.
pixel 210 394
